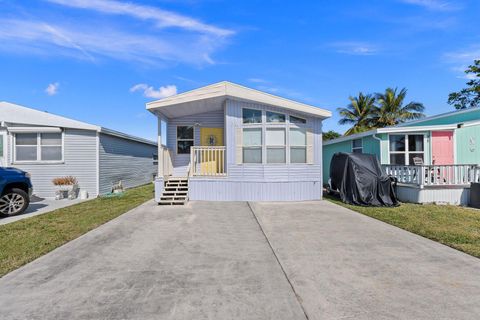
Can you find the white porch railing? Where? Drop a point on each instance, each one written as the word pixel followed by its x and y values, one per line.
pixel 207 161
pixel 435 175
pixel 165 162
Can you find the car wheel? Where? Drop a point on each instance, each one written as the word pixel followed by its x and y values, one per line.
pixel 14 201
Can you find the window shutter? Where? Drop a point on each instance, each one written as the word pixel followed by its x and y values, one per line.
pixel 310 154
pixel 238 145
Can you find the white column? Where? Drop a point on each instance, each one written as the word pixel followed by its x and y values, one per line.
pixel 160 148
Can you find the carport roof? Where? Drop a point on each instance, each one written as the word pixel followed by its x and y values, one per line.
pixel 211 98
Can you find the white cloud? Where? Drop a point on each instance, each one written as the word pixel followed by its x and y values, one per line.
pixel 465 56
pixel 89 42
pixel 461 60
pixel 355 48
pixel 52 89
pixel 436 5
pixel 150 92
pixel 162 18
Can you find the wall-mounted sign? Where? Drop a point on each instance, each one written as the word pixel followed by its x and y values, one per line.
pixel 472 144
pixel 212 140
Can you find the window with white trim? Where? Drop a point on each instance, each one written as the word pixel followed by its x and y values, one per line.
pixel 405 147
pixel 252 145
pixel 251 116
pixel 275 142
pixel 267 137
pixel 185 139
pixel 357 146
pixel 275 117
pixel 298 145
pixel 41 147
pixel 297 120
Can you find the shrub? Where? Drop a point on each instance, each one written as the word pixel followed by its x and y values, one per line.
pixel 65 181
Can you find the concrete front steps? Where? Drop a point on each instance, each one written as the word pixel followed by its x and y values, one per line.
pixel 175 191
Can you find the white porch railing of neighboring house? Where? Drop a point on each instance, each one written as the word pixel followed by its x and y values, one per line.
pixel 207 161
pixel 435 175
pixel 165 161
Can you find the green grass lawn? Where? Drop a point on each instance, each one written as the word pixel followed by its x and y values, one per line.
pixel 453 226
pixel 28 239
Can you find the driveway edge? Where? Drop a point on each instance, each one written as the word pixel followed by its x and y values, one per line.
pixel 297 296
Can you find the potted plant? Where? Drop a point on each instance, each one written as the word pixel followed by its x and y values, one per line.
pixel 117 187
pixel 67 187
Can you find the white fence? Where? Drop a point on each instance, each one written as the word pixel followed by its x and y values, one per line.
pixel 432 175
pixel 207 161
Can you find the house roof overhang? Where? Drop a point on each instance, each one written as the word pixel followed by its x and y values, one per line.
pixel 412 129
pixel 18 118
pixel 212 97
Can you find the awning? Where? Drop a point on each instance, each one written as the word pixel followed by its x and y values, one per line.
pixel 34 129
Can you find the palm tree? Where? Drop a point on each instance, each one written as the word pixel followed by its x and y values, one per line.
pixel 358 113
pixel 390 110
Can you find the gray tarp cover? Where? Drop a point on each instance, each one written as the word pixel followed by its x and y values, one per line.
pixel 361 181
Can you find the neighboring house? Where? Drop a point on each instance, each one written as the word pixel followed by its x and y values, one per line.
pixel 435 158
pixel 227 142
pixel 49 146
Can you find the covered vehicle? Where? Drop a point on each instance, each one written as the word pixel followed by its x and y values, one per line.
pixel 360 180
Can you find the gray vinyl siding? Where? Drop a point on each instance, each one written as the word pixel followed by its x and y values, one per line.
pixel 262 182
pixel 80 154
pixel 214 119
pixel 126 160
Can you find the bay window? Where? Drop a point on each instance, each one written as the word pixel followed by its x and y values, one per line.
pixel 32 147
pixel 275 143
pixel 405 147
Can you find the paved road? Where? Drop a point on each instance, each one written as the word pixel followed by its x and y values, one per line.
pixel 212 261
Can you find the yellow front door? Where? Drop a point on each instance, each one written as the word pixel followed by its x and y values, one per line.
pixel 211 161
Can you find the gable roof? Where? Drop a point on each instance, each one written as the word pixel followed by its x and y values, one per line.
pixel 210 98
pixel 15 114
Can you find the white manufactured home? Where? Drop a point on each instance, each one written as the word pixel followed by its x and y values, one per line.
pixel 226 142
pixel 50 146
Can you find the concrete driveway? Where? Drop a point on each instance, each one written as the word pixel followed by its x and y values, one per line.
pixel 203 261
pixel 213 261
pixel 345 265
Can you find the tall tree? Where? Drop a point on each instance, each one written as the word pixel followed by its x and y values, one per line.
pixel 390 110
pixel 470 96
pixel 358 113
pixel 329 135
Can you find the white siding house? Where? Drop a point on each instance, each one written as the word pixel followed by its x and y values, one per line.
pixel 49 146
pixel 226 142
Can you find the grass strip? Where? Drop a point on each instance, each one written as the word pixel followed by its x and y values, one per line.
pixel 26 240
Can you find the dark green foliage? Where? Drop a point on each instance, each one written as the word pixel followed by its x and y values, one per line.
pixel 470 96
pixel 367 111
pixel 329 135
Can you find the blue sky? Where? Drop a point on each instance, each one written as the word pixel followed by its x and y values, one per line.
pixel 100 61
